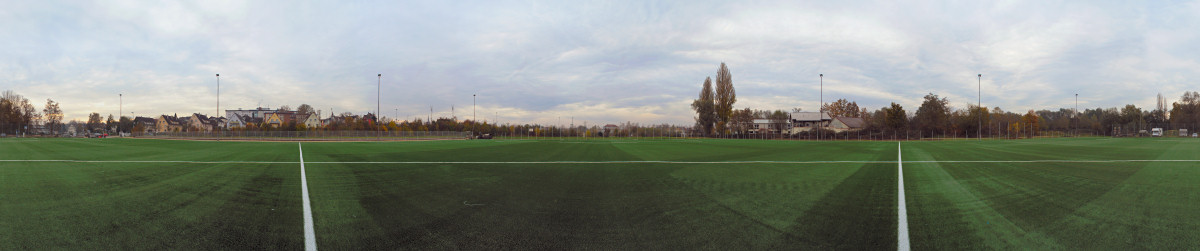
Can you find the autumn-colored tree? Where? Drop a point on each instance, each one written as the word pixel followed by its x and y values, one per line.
pixel 1031 123
pixel 705 114
pixel 53 114
pixel 843 108
pixel 725 97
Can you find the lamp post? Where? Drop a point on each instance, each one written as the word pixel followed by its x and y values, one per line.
pixel 979 105
pixel 378 89
pixel 120 110
pixel 218 127
pixel 474 119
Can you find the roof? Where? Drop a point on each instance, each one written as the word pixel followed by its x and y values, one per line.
pixel 810 116
pixel 171 120
pixel 249 119
pixel 851 122
pixel 143 120
pixel 610 125
pixel 762 121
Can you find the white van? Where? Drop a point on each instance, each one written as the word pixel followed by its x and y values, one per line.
pixel 1156 132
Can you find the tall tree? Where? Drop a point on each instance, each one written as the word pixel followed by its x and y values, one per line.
pixel 779 120
pixel 53 114
pixel 1031 123
pixel 725 97
pixel 742 120
pixel 933 115
pixel 894 117
pixel 843 108
pixel 94 122
pixel 110 124
pixel 705 110
pixel 305 109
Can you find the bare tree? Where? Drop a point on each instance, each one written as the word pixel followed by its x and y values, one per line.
pixel 305 109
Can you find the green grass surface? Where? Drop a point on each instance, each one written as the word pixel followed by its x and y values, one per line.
pixel 569 195
pixel 1063 205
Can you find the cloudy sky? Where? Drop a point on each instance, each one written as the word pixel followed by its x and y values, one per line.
pixel 596 61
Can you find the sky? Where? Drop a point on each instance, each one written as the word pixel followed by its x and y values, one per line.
pixel 594 61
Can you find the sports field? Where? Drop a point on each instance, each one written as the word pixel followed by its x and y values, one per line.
pixel 1089 193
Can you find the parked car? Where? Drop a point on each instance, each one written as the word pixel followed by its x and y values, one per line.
pixel 485 136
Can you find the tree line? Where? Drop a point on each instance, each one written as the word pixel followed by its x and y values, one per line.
pixel 935 117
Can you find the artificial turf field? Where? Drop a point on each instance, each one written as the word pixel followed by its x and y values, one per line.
pixel 1083 193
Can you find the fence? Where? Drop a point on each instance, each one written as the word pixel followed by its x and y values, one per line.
pixel 307 135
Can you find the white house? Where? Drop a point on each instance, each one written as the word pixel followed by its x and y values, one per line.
pixel 805 121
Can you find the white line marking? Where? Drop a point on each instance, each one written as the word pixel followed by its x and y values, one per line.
pixel 605 162
pixel 901 208
pixel 310 235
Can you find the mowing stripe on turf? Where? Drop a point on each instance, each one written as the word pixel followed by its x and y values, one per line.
pixel 901 208
pixel 310 235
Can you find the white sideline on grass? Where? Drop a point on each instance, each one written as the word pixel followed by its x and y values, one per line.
pixel 310 235
pixel 606 162
pixel 901 208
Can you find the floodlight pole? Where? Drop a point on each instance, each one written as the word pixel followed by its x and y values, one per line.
pixel 474 119
pixel 979 105
pixel 378 95
pixel 218 127
pixel 1076 115
pixel 121 110
pixel 821 107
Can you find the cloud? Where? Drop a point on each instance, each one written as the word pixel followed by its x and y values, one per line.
pixel 603 62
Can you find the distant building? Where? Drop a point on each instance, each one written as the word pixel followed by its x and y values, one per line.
pixel 201 122
pixel 166 123
pixel 610 130
pixel 842 124
pixel 765 126
pixel 147 124
pixel 279 118
pixel 805 121
pixel 258 113
pixel 311 120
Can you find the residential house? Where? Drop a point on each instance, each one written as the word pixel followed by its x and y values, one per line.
pixel 311 120
pixel 806 121
pixel 277 119
pixel 202 122
pixel 166 123
pixel 842 124
pixel 259 113
pixel 147 124
pixel 235 121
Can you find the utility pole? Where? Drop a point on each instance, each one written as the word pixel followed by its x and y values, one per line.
pixel 378 95
pixel 474 120
pixel 218 127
